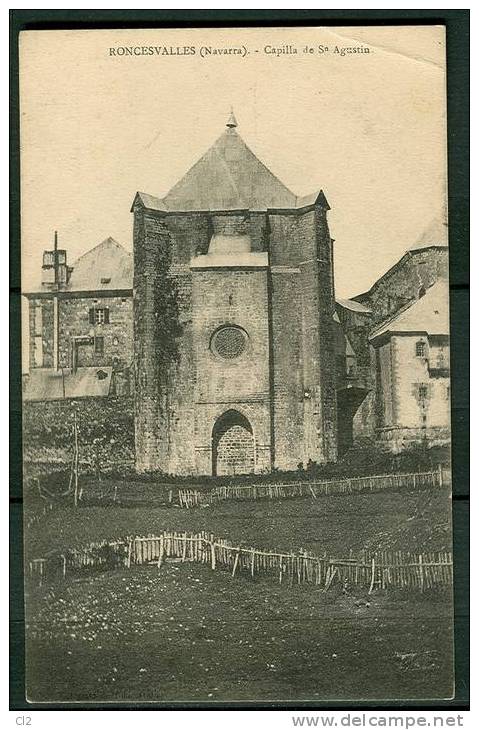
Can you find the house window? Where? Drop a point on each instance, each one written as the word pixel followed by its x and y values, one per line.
pixel 422 392
pixel 99 315
pixel 420 349
pixel 99 345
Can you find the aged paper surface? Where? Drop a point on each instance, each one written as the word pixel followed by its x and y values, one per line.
pixel 236 365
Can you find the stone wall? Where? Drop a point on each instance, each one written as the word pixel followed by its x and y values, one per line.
pixel 239 297
pixel 41 332
pixel 403 282
pixel 152 257
pixel 105 431
pixel 327 358
pixel 409 414
pixel 303 338
pixel 287 313
pixel 74 321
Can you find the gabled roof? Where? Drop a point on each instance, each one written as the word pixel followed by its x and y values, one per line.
pixel 434 235
pixel 353 306
pixel 108 266
pixel 229 176
pixel 149 201
pixel 429 314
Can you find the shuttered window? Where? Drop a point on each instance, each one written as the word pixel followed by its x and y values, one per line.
pixel 99 315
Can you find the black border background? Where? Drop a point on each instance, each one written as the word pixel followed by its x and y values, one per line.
pixel 457 29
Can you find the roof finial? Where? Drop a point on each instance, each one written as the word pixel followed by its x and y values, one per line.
pixel 231 123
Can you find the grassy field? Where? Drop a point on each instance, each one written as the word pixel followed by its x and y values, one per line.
pixel 186 633
pixel 335 524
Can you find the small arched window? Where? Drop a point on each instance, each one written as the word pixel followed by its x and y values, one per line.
pixel 420 349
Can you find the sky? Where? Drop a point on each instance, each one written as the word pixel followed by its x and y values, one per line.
pixel 367 128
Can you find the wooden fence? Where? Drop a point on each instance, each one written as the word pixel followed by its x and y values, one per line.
pixel 379 570
pixel 199 498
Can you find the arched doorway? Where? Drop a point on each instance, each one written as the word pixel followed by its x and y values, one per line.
pixel 232 445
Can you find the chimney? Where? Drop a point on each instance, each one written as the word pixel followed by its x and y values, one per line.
pixel 54 269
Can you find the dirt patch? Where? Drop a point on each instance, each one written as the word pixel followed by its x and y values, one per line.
pixel 186 634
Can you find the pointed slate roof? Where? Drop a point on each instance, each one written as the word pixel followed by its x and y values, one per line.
pixel 107 266
pixel 228 176
pixel 428 314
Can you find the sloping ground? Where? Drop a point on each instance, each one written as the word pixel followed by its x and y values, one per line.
pixel 185 633
pixel 409 521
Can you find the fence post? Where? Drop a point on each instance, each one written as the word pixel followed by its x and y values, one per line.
pixel 235 564
pixel 440 475
pixel 162 550
pixel 421 573
pixel 213 555
pixel 373 566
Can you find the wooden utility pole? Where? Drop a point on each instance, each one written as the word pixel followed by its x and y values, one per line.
pixel 75 459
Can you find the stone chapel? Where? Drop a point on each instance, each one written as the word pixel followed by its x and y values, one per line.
pixel 233 298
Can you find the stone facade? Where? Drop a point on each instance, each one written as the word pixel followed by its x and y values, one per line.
pixel 414 393
pixel 278 385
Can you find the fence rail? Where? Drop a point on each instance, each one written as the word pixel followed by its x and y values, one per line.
pixel 378 570
pixel 356 485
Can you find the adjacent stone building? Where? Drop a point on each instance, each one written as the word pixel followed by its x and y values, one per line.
pixel 411 353
pixel 416 273
pixel 81 324
pixel 233 321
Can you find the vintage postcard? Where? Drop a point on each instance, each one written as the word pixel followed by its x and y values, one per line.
pixel 236 385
